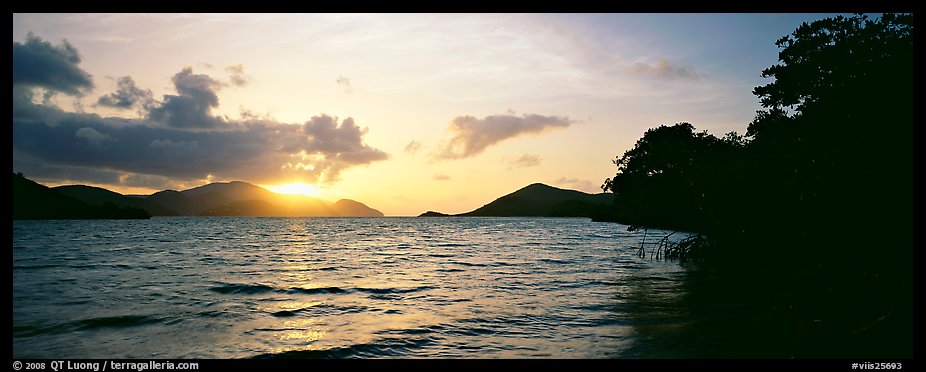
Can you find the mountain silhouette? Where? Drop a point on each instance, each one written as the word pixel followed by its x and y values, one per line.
pixel 100 196
pixel 539 200
pixel 244 208
pixel 234 198
pixel 218 194
pixel 173 200
pixel 239 198
pixel 349 207
pixel 433 214
pixel 33 201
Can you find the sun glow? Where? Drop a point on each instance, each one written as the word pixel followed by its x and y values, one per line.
pixel 294 188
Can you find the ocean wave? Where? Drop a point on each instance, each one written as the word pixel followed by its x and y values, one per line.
pixel 34 267
pixel 441 255
pixel 248 289
pixel 285 313
pixel 555 261
pixel 243 289
pixel 123 321
pixel 415 331
pixel 28 331
pixel 319 290
pixel 212 314
pixel 470 264
pixel 512 291
pixel 388 347
pixel 393 290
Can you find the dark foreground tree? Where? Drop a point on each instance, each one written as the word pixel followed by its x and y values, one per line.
pixel 813 217
pixel 831 160
pixel 833 149
pixel 830 166
pixel 675 177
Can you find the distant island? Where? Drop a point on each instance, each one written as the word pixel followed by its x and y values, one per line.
pixel 35 201
pixel 540 200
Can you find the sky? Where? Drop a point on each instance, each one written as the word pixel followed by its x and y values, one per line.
pixel 403 112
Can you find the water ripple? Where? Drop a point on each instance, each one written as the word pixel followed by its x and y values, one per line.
pixel 335 288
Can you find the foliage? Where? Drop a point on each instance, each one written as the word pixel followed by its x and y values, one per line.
pixel 814 209
pixel 674 176
pixel 831 149
pixel 834 57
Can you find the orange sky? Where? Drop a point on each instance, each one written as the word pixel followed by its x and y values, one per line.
pixel 403 112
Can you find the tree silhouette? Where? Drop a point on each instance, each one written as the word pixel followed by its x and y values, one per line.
pixel 812 213
pixel 833 148
pixel 674 177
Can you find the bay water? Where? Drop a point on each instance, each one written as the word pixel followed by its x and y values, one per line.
pixel 246 287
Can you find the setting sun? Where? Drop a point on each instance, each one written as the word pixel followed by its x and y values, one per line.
pixel 294 188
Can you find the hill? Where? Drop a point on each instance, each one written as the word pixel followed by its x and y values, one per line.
pixel 347 207
pixel 219 194
pixel 100 196
pixel 33 201
pixel 244 199
pixel 235 198
pixel 540 200
pixel 174 201
pixel 433 214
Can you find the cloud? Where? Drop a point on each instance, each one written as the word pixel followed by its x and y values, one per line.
pixel 127 95
pixel 526 160
pixel 180 143
pixel 43 172
pixel 177 150
pixel 441 177
pixel 471 136
pixel 578 184
pixel 238 77
pixel 413 147
pixel 192 106
pixel 92 136
pixel 155 182
pixel 345 82
pixel 342 144
pixel 664 69
pixel 38 63
pixel 256 151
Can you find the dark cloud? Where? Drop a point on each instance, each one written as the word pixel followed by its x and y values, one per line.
pixel 238 77
pixel 471 136
pixel 158 182
pixel 192 107
pixel 92 136
pixel 526 160
pixel 413 147
pixel 258 151
pixel 38 63
pixel 44 172
pixel 127 95
pixel 342 144
pixel 578 184
pixel 345 82
pixel 665 70
pixel 180 143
